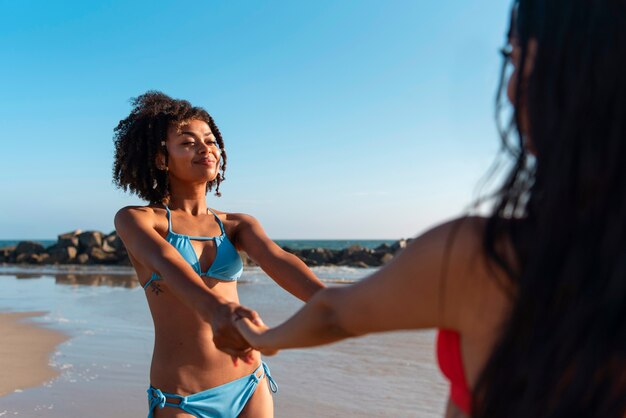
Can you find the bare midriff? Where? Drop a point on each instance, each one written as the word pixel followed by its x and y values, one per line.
pixel 185 359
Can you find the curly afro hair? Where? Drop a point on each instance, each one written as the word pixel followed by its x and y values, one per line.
pixel 138 139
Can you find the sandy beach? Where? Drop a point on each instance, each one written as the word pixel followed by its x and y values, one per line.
pixel 108 352
pixel 25 352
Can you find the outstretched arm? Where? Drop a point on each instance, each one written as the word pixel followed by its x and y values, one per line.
pixel 284 268
pixel 408 293
pixel 135 226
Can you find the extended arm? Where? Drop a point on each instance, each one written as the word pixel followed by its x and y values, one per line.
pixel 285 268
pixel 417 289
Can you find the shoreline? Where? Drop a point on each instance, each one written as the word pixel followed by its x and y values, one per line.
pixel 25 352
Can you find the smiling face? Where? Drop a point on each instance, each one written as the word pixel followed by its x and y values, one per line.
pixel 193 152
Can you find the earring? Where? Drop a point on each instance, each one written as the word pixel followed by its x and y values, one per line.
pixel 154 184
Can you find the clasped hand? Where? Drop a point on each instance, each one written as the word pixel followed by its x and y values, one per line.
pixel 236 331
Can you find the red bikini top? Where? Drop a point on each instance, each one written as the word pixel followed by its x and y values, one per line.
pixel 451 365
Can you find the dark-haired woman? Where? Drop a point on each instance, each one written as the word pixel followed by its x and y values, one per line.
pixel 531 302
pixel 186 257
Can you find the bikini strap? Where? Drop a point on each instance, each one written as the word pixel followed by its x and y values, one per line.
pixel 218 220
pixel 153 277
pixel 169 218
pixel 272 383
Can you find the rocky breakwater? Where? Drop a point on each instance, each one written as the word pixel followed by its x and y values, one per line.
pixel 354 256
pixel 76 247
pixel 94 247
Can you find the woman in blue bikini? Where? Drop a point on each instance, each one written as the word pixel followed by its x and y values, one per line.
pixel 171 154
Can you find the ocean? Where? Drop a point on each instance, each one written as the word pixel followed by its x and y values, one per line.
pixel 104 365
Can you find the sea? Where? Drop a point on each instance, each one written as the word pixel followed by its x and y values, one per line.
pixel 104 364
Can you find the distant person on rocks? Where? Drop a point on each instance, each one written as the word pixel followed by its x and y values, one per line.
pixel 171 154
pixel 530 302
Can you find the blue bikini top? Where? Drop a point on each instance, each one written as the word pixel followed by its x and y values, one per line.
pixel 226 266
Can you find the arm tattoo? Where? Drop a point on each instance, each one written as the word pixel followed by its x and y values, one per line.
pixel 156 288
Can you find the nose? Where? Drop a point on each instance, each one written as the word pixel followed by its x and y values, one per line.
pixel 205 148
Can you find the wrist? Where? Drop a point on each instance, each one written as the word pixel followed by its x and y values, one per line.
pixel 264 340
pixel 211 306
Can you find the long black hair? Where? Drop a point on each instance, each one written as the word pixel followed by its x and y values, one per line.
pixel 562 351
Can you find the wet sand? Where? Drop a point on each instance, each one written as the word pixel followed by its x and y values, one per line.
pixel 25 352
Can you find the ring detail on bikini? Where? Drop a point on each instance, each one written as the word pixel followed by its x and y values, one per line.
pixel 227 265
pixel 224 401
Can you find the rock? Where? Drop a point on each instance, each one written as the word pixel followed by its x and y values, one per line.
pixel 6 254
pixel 384 253
pixel 383 248
pixel 366 258
pixel 114 241
pixel 318 256
pixel 310 263
pixel 356 255
pixel 29 247
pixel 89 239
pixel 82 258
pixel 68 239
pixel 353 249
pixel 108 248
pixel 121 254
pixel 398 245
pixel 61 255
pixel 99 256
pixel 29 258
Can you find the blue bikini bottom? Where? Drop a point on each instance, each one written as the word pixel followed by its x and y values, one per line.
pixel 224 401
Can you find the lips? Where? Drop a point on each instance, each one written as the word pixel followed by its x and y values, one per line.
pixel 206 161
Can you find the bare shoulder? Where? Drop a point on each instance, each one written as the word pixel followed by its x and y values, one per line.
pixel 129 216
pixel 457 241
pixel 129 213
pixel 471 280
pixel 236 220
pixel 462 231
pixel 465 244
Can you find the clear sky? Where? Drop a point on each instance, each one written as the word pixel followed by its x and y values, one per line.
pixel 341 119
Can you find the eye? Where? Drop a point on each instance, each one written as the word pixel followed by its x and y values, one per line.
pixel 188 143
pixel 212 143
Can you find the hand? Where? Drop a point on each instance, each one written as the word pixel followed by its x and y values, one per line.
pixel 254 332
pixel 226 336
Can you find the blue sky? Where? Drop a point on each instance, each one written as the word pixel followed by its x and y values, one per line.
pixel 342 119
